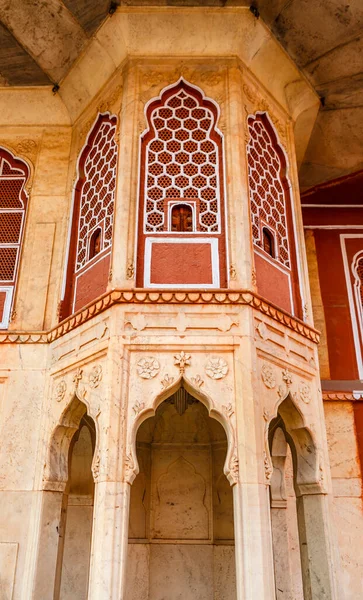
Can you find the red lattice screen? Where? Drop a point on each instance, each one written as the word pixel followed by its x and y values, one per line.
pixel 13 203
pixel 98 190
pixel 182 161
pixel 266 183
pixel 93 210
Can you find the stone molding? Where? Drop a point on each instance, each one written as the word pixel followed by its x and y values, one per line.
pixel 342 396
pixel 167 297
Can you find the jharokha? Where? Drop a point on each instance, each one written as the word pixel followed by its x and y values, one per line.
pixel 181 332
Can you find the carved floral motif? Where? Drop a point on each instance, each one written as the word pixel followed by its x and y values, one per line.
pixel 95 376
pixel 138 407
pixel 268 467
pixel 287 377
pixel 228 410
pixel 262 330
pixel 60 390
pixel 268 376
pixel 234 467
pixel 197 381
pixel 182 360
pixel 216 367
pixel 305 392
pixel 77 377
pixel 148 367
pixel 96 466
pixel 167 381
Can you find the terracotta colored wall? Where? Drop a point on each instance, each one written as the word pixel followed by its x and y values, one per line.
pixel 342 356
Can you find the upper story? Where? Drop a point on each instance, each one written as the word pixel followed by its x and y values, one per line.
pixel 164 162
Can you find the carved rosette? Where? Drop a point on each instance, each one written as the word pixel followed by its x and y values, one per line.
pixel 148 367
pixel 268 376
pixel 216 367
pixel 95 376
pixel 60 390
pixel 305 392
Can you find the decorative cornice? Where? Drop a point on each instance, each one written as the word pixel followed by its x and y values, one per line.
pixel 342 396
pixel 171 297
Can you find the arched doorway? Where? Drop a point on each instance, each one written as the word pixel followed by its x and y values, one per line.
pixel 181 530
pixel 77 516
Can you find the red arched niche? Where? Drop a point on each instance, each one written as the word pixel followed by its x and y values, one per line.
pixel 271 215
pixel 92 220
pixel 181 164
pixel 14 174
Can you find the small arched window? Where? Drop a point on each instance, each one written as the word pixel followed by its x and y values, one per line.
pixel 95 243
pixel 268 242
pixel 182 218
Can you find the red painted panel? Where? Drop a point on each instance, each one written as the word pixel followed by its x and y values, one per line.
pixel 2 304
pixel 92 283
pixel 272 283
pixel 176 264
pixel 342 358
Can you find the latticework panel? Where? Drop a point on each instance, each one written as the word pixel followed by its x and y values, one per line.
pixel 98 189
pixel 182 162
pixel 267 194
pixel 13 176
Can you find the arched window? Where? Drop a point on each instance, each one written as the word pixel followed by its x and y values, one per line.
pixel 268 242
pixel 95 243
pixel 182 218
pixel 14 174
pixel 181 191
pixel 271 216
pixel 92 219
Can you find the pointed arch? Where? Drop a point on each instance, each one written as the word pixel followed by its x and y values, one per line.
pixel 271 209
pixel 182 162
pixel 231 459
pixel 56 468
pixel 92 212
pixel 289 419
pixel 14 175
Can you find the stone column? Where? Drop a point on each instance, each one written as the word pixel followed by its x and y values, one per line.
pixel 254 557
pixel 49 539
pixel 109 541
pixel 123 259
pixel 317 560
pixel 279 527
pixel 238 209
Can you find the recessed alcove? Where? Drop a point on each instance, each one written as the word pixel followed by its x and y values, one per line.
pixel 181 531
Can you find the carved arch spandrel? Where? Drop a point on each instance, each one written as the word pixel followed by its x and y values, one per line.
pixel 148 409
pixel 83 400
pixel 304 448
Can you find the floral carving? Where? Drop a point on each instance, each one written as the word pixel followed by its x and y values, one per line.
pixel 216 367
pixel 148 367
pixel 167 381
pixel 305 392
pixel 197 381
pixel 287 377
pixel 262 330
pixel 138 407
pixel 129 467
pixel 182 360
pixel 228 410
pixel 96 466
pixel 130 270
pixel 60 390
pixel 232 272
pixel 234 468
pixel 77 378
pixel 268 376
pixel 95 376
pixel 268 467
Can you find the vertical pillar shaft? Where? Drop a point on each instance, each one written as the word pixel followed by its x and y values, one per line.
pixel 317 561
pixel 109 541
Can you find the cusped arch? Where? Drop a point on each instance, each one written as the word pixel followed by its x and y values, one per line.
pixel 56 467
pixel 213 412
pixel 290 421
